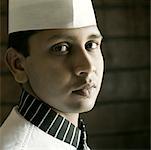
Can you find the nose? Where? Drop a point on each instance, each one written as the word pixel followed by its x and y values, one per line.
pixel 84 65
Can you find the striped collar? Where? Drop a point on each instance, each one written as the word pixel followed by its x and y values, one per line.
pixel 41 115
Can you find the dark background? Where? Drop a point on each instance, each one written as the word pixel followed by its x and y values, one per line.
pixel 120 119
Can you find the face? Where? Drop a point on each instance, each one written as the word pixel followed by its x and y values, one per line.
pixel 65 68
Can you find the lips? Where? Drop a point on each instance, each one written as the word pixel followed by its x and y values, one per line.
pixel 82 92
pixel 85 90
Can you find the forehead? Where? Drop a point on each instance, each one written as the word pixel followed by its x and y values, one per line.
pixel 54 34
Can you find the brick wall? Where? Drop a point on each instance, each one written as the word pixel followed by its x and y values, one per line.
pixel 120 119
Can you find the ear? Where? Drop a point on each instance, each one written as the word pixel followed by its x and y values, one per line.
pixel 16 63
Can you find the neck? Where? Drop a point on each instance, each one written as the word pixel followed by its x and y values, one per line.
pixel 72 117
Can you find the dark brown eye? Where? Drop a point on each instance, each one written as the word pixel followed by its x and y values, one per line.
pixel 60 49
pixel 91 45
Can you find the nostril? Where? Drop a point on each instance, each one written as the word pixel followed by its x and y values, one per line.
pixel 83 74
pixel 89 80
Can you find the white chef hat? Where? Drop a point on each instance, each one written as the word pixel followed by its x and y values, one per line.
pixel 49 14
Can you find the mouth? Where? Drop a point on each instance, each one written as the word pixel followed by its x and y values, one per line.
pixel 85 90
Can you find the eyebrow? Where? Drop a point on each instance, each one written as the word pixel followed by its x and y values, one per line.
pixel 65 36
pixel 95 36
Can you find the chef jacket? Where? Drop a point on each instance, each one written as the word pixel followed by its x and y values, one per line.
pixel 33 125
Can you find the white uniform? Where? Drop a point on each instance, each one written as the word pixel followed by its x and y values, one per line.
pixel 33 125
pixel 19 134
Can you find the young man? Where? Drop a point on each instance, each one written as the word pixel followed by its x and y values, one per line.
pixel 54 54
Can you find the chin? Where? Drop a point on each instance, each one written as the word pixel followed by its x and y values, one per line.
pixel 86 109
pixel 88 105
pixel 81 108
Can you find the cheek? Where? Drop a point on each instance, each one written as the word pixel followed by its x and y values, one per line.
pixel 59 76
pixel 100 68
pixel 48 75
pixel 99 63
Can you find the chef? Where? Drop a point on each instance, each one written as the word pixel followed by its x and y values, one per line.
pixel 54 54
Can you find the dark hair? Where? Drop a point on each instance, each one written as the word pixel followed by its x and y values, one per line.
pixel 19 41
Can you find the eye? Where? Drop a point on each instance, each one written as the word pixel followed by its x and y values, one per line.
pixel 91 45
pixel 60 49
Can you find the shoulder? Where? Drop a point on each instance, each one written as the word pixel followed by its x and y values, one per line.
pixel 18 134
pixel 15 131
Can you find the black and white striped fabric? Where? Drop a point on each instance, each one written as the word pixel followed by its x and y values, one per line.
pixel 41 115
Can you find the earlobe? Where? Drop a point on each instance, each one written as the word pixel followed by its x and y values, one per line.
pixel 16 63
